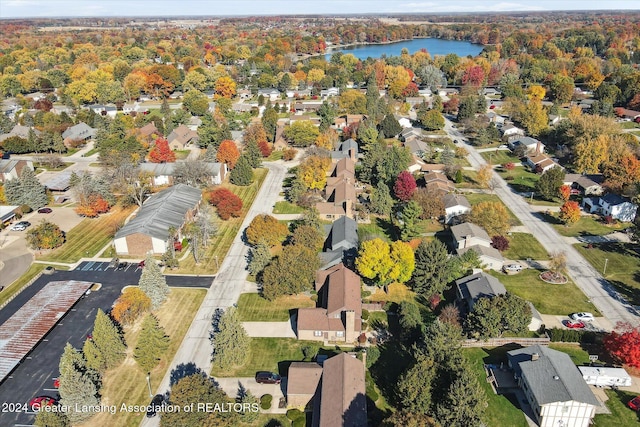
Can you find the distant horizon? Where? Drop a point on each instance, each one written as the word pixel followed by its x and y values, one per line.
pixel 66 9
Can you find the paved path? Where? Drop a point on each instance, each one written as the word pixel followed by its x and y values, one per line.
pixel 269 329
pixel 601 293
pixel 15 257
pixel 231 386
pixel 230 282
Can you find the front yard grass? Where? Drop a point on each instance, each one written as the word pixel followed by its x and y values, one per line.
pixel 502 410
pixel 500 157
pixel 521 178
pixel 475 198
pixel 227 230
pixel 127 383
pixel 623 263
pixel 578 355
pixel 621 415
pixel 523 246
pixel 586 226
pixel 254 308
pixel 547 298
pixel 89 237
pixel 283 207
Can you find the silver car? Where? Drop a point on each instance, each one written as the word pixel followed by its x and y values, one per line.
pixel 584 317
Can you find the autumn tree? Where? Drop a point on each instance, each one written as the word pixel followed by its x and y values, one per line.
pixel 384 263
pixel 620 175
pixel 404 186
pixel 432 268
pixel 45 236
pixel 492 216
pixel 430 202
pixel 564 192
pixel 228 153
pixel 226 202
pixel 161 153
pixel 151 345
pixel 623 344
pixel 308 236
pixel 535 119
pixel 242 174
pixel 265 229
pixel 301 133
pixel 312 172
pixel 196 102
pixel 106 348
pixel 291 272
pixel 130 305
pixel 225 87
pixel 550 182
pixel 153 283
pixel 485 173
pixel 569 212
pixel 500 243
pixel 431 120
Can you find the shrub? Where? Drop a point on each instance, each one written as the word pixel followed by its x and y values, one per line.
pixel 265 401
pixel 500 243
pixel 295 414
pixel 365 315
pixel 365 294
pixel 25 209
pixel 289 154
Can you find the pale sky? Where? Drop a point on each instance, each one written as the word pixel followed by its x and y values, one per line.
pixel 67 8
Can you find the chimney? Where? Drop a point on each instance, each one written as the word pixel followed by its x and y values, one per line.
pixel 538 147
pixel 352 154
pixel 535 356
pixel 348 208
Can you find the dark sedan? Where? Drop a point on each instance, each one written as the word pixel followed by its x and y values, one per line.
pixel 268 378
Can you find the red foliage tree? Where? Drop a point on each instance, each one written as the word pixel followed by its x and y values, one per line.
pixel 161 153
pixel 265 148
pixel 410 90
pixel 473 76
pixel 623 344
pixel 43 105
pixel 565 193
pixel 93 206
pixel 500 243
pixel 405 186
pixel 227 203
pixel 451 106
pixel 228 153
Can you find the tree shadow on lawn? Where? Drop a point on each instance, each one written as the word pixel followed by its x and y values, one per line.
pixel 548 218
pixel 631 294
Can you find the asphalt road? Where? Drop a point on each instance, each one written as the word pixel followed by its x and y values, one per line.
pixel 34 376
pixel 600 292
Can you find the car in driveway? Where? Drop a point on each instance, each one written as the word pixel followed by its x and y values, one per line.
pixel 45 210
pixel 20 226
pixel 512 268
pixel 156 404
pixel 264 377
pixel 634 403
pixel 38 402
pixel 583 317
pixel 574 324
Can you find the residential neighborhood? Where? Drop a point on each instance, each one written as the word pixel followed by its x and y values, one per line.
pixel 258 221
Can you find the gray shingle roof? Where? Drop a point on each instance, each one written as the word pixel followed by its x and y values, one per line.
pixel 483 250
pixel 553 377
pixel 468 229
pixel 79 131
pixel 167 169
pixel 162 211
pixel 479 285
pixel 344 230
pixel 451 200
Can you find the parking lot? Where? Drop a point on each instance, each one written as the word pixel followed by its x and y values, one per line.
pixel 34 376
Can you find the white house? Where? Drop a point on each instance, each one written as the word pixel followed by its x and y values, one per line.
pixel 271 93
pixel 455 205
pixel 332 91
pixel 510 130
pixel 531 145
pixel 611 205
pixel 553 387
pixel 468 236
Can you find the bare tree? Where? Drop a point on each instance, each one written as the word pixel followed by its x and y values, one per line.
pixel 192 172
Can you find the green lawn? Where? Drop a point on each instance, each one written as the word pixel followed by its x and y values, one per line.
pixel 275 155
pixel 282 207
pixel 254 308
pixel 475 198
pixel 547 298
pixel 523 246
pixel 469 179
pixel 227 230
pixel 586 225
pixel 500 157
pixel 379 227
pixel 621 415
pixel 38 165
pixel 521 178
pixel 501 409
pixel 89 237
pixel 623 263
pixel 578 355
pixel 629 125
pixel 182 154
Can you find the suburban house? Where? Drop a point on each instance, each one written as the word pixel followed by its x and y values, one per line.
pixel 617 207
pixel 439 182
pixel 416 146
pixel 540 163
pixel 335 391
pixel 131 107
pixel 163 173
pixel 341 244
pixel 332 91
pixel 407 133
pixel 270 93
pixel 338 315
pixel 470 289
pixel 149 131
pixel 19 130
pixel 78 133
pixel 180 137
pixel 586 185
pixel 148 231
pixel 468 236
pixel 104 110
pixel 340 192
pixel 553 387
pixel 11 168
pixel 455 205
pixel 348 148
pixel 7 213
pixel 307 106
pixel 508 129
pixel 531 145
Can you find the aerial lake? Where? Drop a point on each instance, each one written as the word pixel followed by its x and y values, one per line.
pixel 433 46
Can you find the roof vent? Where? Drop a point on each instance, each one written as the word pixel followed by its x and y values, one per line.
pixel 555 377
pixel 535 356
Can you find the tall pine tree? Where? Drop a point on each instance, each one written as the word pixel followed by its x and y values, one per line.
pixel 152 344
pixel 109 343
pixel 153 283
pixel 432 270
pixel 242 174
pixel 230 341
pixel 253 154
pixel 77 384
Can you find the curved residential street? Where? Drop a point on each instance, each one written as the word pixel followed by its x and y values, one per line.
pixel 601 293
pixel 227 286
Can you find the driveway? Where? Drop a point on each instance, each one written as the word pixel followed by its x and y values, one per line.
pixel 601 293
pixel 232 385
pixel 269 329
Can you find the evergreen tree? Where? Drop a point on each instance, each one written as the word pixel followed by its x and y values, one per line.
pixel 77 384
pixel 381 200
pixel 93 356
pixel 165 109
pixel 108 341
pixel 432 270
pixel 152 343
pixel 230 341
pixel 259 258
pixel 26 190
pixel 253 154
pixel 51 419
pixel 410 216
pixel 153 283
pixel 210 154
pixel 390 126
pixel 415 386
pixel 242 174
pixel 464 402
pixel 246 398
pixel 269 122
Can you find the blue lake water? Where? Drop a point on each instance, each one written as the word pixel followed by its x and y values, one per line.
pixel 433 46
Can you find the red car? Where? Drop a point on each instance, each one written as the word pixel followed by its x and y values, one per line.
pixel 45 210
pixel 571 324
pixel 37 402
pixel 491 107
pixel 635 403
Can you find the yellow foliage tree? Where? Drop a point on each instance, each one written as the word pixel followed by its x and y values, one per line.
pixel 536 92
pixel 396 79
pixel 535 118
pixel 492 216
pixel 313 172
pixel 484 176
pixel 225 87
pixel 591 154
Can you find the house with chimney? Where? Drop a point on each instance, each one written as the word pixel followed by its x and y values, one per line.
pixel 340 191
pixel 586 185
pixel 346 149
pixel 438 182
pixel 338 315
pixel 341 244
pixel 468 236
pixel 553 386
pixel 181 136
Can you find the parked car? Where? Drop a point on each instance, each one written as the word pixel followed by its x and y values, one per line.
pixel 141 264
pixel 114 262
pixel 49 270
pixel 122 265
pixel 268 378
pixel 37 402
pixel 156 403
pixel 20 226
pixel 584 317
pixel 45 210
pixel 634 403
pixel 574 324
pixel 512 268
pixel 491 107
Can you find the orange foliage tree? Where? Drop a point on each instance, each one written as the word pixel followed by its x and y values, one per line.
pixel 130 305
pixel 93 206
pixel 225 87
pixel 226 203
pixel 228 153
pixel 570 212
pixel 565 192
pixel 161 153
